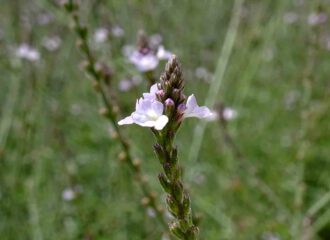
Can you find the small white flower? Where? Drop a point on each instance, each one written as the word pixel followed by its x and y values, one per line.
pixel 229 114
pixel 52 43
pixel 101 35
pixel 117 31
pixel 151 212
pixel 24 51
pixel 68 194
pixel 148 113
pixel 162 54
pixel 203 73
pixel 193 110
pixel 144 62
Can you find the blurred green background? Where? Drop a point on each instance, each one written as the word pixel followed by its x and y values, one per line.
pixel 60 177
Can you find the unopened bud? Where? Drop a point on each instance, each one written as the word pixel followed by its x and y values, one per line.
pixel 122 156
pixel 173 207
pixel 167 169
pixel 182 107
pixel 164 182
pixel 186 204
pixel 176 95
pixel 174 155
pixel 169 107
pixel 193 233
pixel 160 94
pixel 175 230
pixel 178 191
pixel 160 152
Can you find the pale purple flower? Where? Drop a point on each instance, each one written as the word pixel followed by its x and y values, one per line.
pixel 144 62
pixel 163 54
pixel 193 110
pixel 25 51
pixel 317 18
pixel 125 85
pixel 117 31
pixel 148 113
pixel 68 194
pixel 101 35
pixel 203 73
pixel 146 59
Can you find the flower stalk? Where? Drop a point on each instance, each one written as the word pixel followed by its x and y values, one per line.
pixel 163 110
pixel 178 201
pixel 101 81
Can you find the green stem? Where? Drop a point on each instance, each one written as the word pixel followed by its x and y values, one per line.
pixel 111 110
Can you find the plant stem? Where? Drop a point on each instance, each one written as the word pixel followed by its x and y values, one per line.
pixel 101 77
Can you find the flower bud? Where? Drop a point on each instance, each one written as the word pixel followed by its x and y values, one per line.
pixel 160 94
pixel 173 207
pixel 175 230
pixel 186 204
pixel 168 170
pixel 177 190
pixel 193 233
pixel 160 153
pixel 182 107
pixel 164 182
pixel 169 107
pixel 174 155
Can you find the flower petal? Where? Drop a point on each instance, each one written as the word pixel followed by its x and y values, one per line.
pixel 191 102
pixel 152 93
pixel 193 110
pixel 126 120
pixel 161 122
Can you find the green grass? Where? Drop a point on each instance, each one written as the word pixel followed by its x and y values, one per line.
pixel 52 137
